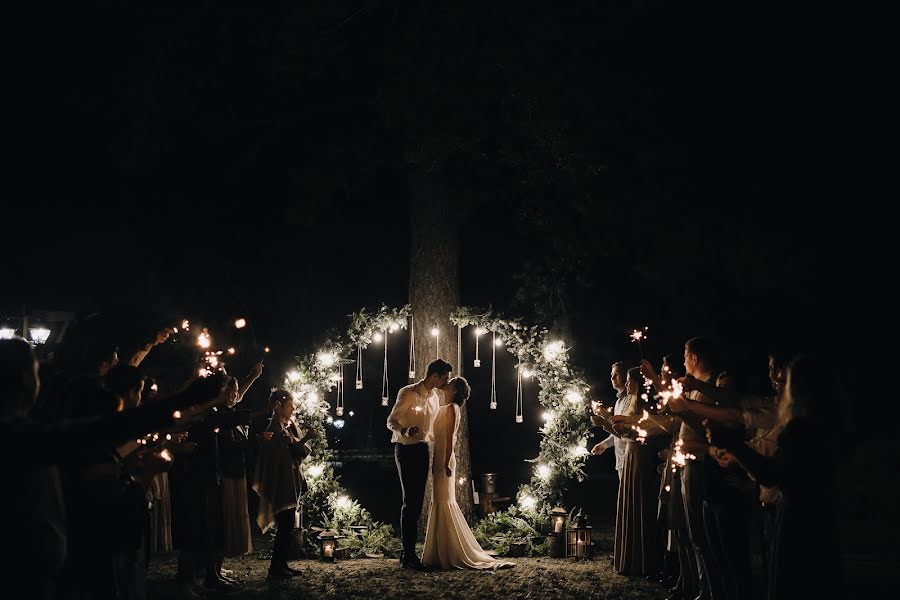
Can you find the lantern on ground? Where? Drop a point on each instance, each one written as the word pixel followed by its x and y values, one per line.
pixel 327 545
pixel 579 544
pixel 558 519
pixel 556 539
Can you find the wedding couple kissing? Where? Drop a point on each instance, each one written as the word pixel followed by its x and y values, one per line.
pixel 427 414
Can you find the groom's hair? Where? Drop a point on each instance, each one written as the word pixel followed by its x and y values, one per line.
pixel 439 366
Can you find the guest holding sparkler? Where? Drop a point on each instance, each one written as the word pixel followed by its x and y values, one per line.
pixel 623 402
pixel 685 583
pixel 637 535
pixel 233 443
pixel 277 479
pixel 197 514
pixel 805 542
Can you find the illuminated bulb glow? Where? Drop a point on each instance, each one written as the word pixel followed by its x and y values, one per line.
pixel 377 337
pixel 528 502
pixel 240 323
pixel 315 470
pixel 553 350
pixel 294 376
pixel 435 331
pixel 574 396
pixel 343 502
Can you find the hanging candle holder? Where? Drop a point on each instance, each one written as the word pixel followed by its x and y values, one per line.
pixel 339 409
pixel 493 371
pixel 478 333
pixel 412 347
pixel 359 373
pixel 459 347
pixel 519 417
pixel 384 377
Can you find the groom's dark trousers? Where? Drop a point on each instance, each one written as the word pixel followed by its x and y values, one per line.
pixel 412 465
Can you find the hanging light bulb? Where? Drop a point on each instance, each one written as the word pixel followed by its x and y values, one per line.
pixel 435 331
pixel 294 376
pixel 377 337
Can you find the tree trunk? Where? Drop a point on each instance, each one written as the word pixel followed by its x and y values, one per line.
pixel 433 294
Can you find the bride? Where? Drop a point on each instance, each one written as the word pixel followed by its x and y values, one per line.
pixel 449 542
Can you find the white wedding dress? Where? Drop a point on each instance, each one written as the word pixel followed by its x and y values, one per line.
pixel 449 542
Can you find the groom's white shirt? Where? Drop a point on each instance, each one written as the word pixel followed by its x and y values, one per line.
pixel 414 410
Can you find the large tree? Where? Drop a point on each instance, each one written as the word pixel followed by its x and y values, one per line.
pixel 433 294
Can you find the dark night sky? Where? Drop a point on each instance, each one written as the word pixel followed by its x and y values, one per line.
pixel 227 159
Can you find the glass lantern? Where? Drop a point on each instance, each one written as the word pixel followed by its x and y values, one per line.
pixel 579 544
pixel 327 546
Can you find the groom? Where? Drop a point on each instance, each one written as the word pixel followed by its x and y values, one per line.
pixel 411 423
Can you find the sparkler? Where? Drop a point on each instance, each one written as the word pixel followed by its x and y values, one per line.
pixel 637 335
pixel 203 340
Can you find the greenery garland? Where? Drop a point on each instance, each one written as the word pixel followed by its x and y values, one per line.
pixel 326 505
pixel 566 429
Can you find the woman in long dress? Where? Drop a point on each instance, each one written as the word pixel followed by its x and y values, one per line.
pixel 449 542
pixel 637 535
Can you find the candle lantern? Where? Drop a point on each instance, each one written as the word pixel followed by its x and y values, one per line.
pixel 327 545
pixel 558 519
pixel 579 544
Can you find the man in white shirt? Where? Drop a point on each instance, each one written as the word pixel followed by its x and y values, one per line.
pixel 623 402
pixel 411 422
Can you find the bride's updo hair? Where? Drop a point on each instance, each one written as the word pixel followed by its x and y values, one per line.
pixel 462 389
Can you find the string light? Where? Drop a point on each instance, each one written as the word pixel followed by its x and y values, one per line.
pixel 326 359
pixel 544 472
pixel 553 350
pixel 574 396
